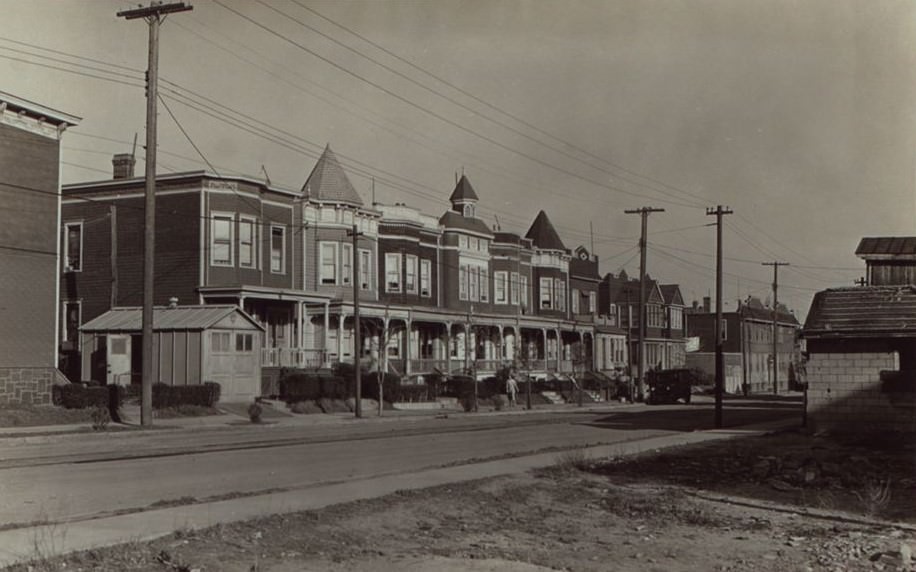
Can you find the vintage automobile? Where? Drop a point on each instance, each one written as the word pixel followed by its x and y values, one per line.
pixel 670 385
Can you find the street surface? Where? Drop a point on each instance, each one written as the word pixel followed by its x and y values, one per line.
pixel 70 477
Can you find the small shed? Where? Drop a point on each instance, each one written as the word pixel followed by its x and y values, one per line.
pixel 191 345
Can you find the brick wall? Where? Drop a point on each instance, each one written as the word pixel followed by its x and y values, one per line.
pixel 26 385
pixel 844 393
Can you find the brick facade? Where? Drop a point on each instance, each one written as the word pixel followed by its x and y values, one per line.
pixel 845 393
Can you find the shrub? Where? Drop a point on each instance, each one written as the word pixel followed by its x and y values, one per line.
pixel 498 402
pixel 205 395
pixel 306 407
pixel 79 396
pixel 300 387
pixel 467 402
pixel 254 412
pixel 413 393
pixel 459 386
pixel 391 386
pixel 100 418
pixel 491 386
pixel 333 405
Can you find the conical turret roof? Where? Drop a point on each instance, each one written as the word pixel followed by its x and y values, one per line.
pixel 463 191
pixel 543 235
pixel 329 182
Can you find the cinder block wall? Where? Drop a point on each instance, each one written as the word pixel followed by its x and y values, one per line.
pixel 844 393
pixel 26 385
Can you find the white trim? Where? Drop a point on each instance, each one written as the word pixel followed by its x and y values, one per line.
pixel 202 244
pixel 426 263
pixel 408 259
pixel 63 321
pixel 400 285
pixel 66 241
pixel 58 260
pixel 140 195
pixel 255 241
pixel 365 266
pixel 344 261
pixel 282 269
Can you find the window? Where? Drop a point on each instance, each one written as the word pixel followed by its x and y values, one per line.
pixel 328 262
pixel 221 240
pixel 243 342
pixel 365 269
pixel 425 272
pixel 559 291
pixel 410 274
pixel 73 246
pixel 71 328
pixel 462 282
pixel 473 283
pixel 462 241
pixel 575 301
pixel 499 287
pixel 513 288
pixel 484 284
pixel 677 318
pixel 278 249
pixel 546 293
pixel 592 302
pixel 523 290
pixel 469 210
pixel 220 342
pixel 392 272
pixel 247 240
pixel 346 263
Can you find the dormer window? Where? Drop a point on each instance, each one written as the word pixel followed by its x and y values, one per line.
pixel 468 210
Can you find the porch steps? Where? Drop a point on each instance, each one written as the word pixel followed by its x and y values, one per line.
pixel 553 397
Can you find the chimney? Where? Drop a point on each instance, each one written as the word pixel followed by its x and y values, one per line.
pixel 123 165
pixel 707 304
pixel 173 302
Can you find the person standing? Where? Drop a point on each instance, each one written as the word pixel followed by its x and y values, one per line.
pixel 512 388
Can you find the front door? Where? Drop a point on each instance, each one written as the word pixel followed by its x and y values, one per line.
pixel 118 359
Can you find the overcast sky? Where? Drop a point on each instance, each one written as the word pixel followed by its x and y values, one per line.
pixel 797 115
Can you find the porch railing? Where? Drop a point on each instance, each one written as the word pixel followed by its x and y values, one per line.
pixel 427 365
pixel 292 357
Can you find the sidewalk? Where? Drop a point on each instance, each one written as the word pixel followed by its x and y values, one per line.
pixel 21 544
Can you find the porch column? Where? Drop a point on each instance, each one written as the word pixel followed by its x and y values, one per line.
pixel 384 342
pixel 448 347
pixel 340 331
pixel 300 324
pixel 544 336
pixel 559 348
pixel 327 326
pixel 407 352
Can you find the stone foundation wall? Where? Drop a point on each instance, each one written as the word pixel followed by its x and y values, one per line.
pixel 844 394
pixel 27 385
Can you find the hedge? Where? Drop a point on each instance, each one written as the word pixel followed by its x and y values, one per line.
pixel 81 396
pixel 312 386
pixel 204 395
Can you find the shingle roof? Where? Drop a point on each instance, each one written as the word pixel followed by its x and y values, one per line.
pixel 543 234
pixel 874 311
pixel 672 294
pixel 886 245
pixel 463 191
pixel 179 318
pixel 452 220
pixel 329 182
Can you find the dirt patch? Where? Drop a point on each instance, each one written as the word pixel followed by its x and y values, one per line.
pixel 561 518
pixel 185 411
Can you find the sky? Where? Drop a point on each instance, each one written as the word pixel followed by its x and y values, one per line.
pixel 800 116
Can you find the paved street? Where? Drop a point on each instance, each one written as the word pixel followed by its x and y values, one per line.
pixel 82 476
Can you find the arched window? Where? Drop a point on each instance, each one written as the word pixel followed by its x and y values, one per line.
pixel 469 210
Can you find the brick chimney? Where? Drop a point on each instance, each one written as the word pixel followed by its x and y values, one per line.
pixel 707 304
pixel 123 165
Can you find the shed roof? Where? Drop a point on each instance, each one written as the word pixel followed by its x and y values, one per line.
pixel 164 318
pixel 873 311
pixel 886 246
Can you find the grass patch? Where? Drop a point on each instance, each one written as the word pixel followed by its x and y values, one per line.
pixel 41 415
pixel 185 411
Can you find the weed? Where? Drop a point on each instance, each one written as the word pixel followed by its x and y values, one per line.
pixel 498 402
pixel 255 411
pixel 875 496
pixel 573 460
pixel 100 418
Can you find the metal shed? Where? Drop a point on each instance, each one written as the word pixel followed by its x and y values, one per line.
pixel 192 344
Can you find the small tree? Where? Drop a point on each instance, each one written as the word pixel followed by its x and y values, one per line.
pixel 524 359
pixel 371 329
pixel 581 363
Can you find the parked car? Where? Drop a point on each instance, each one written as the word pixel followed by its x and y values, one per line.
pixel 670 385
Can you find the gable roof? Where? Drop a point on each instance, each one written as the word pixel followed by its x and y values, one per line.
pixel 886 246
pixel 453 220
pixel 672 294
pixel 329 182
pixel 164 318
pixel 463 191
pixel 856 312
pixel 543 234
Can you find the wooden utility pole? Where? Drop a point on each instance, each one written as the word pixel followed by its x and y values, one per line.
pixel 718 212
pixel 644 213
pixel 775 264
pixel 113 216
pixel 357 338
pixel 154 14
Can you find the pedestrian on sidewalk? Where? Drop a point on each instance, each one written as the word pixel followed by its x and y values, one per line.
pixel 512 388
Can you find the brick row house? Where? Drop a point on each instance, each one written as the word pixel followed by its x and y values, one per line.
pixel 446 294
pixel 747 345
pixel 30 136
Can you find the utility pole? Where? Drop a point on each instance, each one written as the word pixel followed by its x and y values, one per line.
pixel 358 410
pixel 154 14
pixel 644 213
pixel 718 212
pixel 775 264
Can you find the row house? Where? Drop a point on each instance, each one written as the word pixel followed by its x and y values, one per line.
pixel 665 331
pixel 447 293
pixel 30 147
pixel 747 345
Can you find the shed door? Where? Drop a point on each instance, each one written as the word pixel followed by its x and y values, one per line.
pixel 233 364
pixel 118 359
